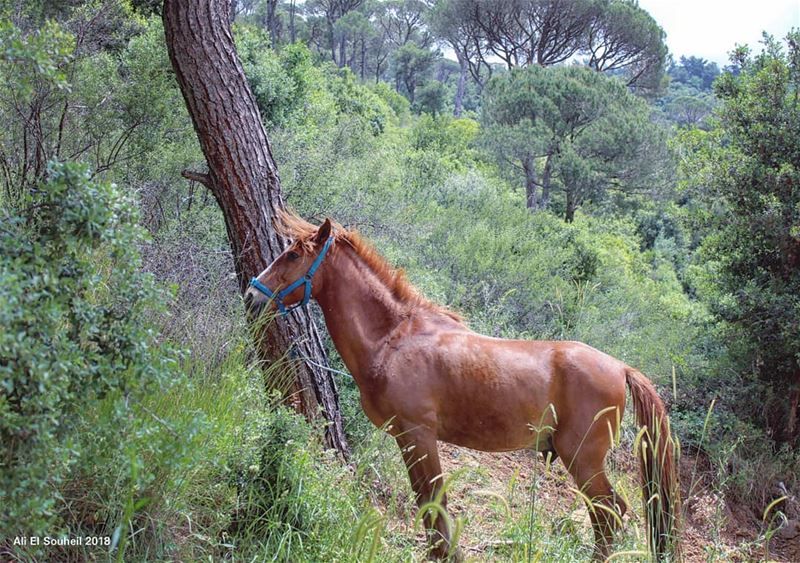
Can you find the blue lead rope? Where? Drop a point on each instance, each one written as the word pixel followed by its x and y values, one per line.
pixel 277 298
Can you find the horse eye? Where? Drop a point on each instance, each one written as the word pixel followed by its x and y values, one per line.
pixel 292 255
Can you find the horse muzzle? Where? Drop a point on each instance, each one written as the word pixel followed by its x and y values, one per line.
pixel 254 303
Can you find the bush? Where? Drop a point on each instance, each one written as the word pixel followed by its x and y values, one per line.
pixel 75 340
pixel 278 92
pixel 354 99
pixel 430 98
pixel 399 103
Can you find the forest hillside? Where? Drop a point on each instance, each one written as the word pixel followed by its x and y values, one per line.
pixel 583 185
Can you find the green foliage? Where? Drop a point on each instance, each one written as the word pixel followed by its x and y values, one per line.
pixel 278 85
pixel 399 103
pixel 695 72
pixel 575 130
pixel 32 71
pixel 450 139
pixel 627 41
pixel 41 54
pixel 430 98
pixel 686 106
pixel 748 267
pixel 105 431
pixel 617 37
pixel 290 90
pixel 74 307
pixel 121 112
pixel 354 99
pixel 281 477
pixel 412 66
pixel 688 100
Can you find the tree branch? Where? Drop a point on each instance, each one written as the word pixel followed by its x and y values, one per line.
pixel 199 177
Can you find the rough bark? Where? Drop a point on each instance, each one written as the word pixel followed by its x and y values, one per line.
pixel 292 29
pixel 362 74
pixel 331 38
pixel 462 85
pixel 794 402
pixel 244 180
pixel 531 186
pixel 572 206
pixel 343 50
pixel 271 22
pixel 547 181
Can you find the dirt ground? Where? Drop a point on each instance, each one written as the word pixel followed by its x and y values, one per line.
pixel 713 530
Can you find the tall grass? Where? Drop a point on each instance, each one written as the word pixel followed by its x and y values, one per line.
pixel 229 473
pixel 238 476
pixel 253 482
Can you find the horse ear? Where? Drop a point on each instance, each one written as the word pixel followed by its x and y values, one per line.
pixel 324 231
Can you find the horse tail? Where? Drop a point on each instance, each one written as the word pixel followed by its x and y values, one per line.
pixel 657 468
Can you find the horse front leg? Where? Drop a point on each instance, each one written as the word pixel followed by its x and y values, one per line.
pixel 421 456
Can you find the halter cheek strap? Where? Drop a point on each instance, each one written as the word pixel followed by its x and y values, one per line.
pixel 277 298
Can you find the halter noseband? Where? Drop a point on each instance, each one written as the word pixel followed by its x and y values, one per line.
pixel 277 298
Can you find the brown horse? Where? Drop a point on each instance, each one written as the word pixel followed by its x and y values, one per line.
pixel 420 369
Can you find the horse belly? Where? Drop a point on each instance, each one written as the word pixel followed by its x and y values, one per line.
pixel 497 415
pixel 503 442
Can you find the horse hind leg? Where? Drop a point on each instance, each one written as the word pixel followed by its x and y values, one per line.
pixel 606 508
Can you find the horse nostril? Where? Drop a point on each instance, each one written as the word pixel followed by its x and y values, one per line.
pixel 248 299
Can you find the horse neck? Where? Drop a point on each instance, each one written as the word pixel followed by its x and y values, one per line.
pixel 360 311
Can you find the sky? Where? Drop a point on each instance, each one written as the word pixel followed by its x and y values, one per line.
pixel 711 28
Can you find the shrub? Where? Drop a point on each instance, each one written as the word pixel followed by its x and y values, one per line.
pixel 399 103
pixel 75 338
pixel 278 92
pixel 430 98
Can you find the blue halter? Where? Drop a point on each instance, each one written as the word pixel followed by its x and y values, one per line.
pixel 277 298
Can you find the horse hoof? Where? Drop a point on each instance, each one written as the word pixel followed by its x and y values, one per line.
pixel 455 555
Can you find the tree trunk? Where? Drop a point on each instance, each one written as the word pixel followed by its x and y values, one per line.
pixel 292 30
pixel 462 85
pixel 331 38
pixel 244 180
pixel 351 61
pixel 343 50
pixel 572 205
pixel 529 166
pixel 792 429
pixel 547 181
pixel 363 58
pixel 272 22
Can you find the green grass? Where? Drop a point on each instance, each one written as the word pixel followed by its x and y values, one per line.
pixel 263 488
pixel 228 473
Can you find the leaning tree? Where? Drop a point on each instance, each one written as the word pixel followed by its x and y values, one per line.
pixel 243 178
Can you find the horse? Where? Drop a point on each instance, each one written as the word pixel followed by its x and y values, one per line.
pixel 424 376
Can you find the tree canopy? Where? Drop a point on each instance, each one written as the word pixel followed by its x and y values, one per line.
pixel 748 170
pixel 613 36
pixel 575 131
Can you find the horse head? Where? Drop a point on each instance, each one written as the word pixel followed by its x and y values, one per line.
pixel 287 282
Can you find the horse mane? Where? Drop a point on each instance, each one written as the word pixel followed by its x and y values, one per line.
pixel 292 226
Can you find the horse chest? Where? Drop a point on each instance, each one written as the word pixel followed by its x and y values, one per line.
pixel 371 386
pixel 374 414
